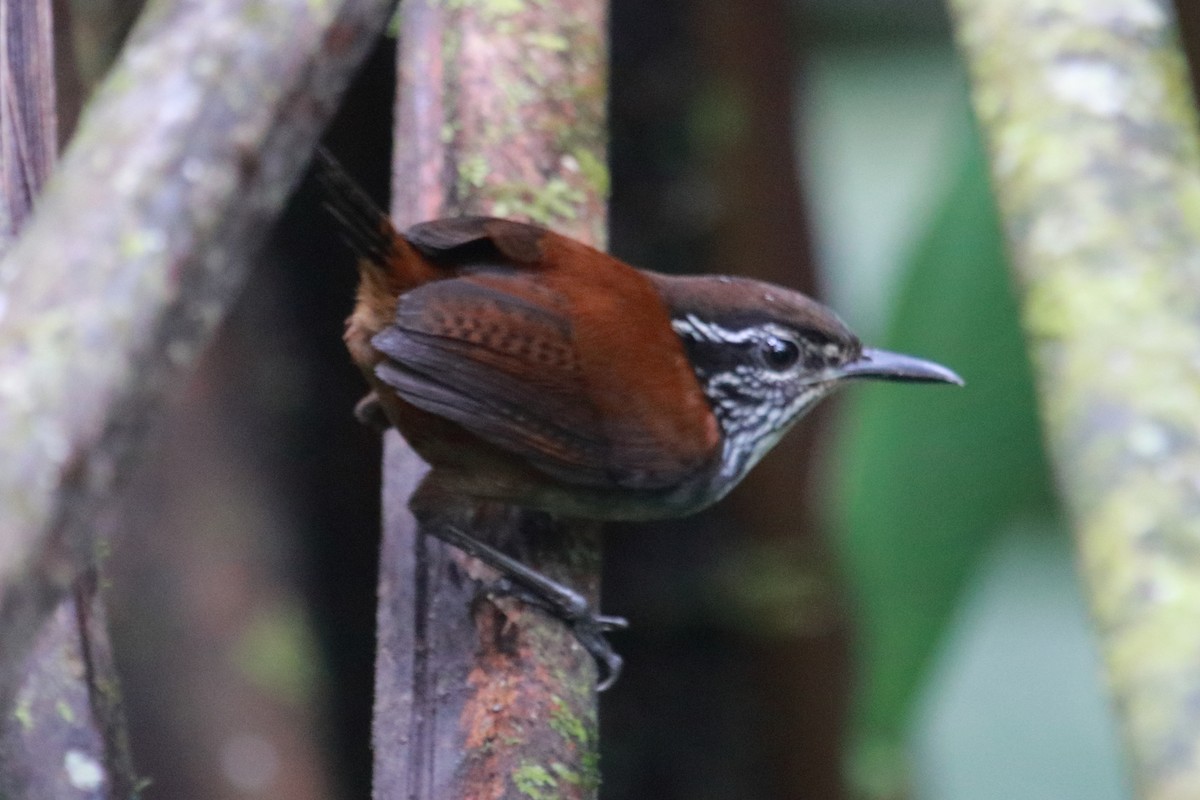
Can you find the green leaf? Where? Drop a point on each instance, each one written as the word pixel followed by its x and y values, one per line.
pixel 925 476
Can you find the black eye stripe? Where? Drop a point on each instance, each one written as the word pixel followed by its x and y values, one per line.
pixel 715 349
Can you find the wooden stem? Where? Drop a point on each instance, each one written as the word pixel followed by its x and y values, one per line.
pixel 500 111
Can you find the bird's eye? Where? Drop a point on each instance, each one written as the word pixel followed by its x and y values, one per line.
pixel 778 353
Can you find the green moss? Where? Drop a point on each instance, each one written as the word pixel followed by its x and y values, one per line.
pixel 554 201
pixel 535 782
pixel 594 170
pixel 472 172
pixel 547 40
pixel 492 10
pixel 581 732
pixel 23 714
pixel 590 762
pixel 566 774
pixel 65 712
pixel 568 725
pixel 396 24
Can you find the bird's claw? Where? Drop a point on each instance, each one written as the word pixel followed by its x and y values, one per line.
pixel 587 626
pixel 589 632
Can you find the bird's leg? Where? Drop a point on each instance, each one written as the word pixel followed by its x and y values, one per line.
pixel 505 587
pixel 534 588
pixel 530 586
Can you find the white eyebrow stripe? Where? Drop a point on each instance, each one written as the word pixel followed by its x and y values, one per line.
pixel 695 328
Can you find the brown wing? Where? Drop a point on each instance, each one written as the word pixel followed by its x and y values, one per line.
pixel 478 238
pixel 497 353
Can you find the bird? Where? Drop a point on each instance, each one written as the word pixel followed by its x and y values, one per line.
pixel 529 368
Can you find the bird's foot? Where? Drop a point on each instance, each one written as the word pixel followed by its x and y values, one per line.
pixel 573 609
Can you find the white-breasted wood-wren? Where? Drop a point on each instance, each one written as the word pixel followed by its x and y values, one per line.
pixel 529 368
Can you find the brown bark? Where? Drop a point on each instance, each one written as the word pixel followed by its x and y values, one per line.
pixel 184 155
pixel 500 111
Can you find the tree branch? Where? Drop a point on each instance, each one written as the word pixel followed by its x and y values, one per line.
pixel 67 733
pixel 181 160
pixel 501 111
pixel 1093 139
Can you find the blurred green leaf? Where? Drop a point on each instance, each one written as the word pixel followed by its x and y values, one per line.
pixel 276 651
pixel 925 476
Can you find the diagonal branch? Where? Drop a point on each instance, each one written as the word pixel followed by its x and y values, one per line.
pixel 67 732
pixel 143 237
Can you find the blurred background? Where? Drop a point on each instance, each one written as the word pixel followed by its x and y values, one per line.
pixel 887 608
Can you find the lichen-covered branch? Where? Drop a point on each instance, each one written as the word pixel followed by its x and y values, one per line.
pixel 1095 161
pixel 141 239
pixel 501 111
pixel 66 735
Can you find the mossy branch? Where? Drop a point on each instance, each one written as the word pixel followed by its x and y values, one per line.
pixel 501 111
pixel 1094 152
pixel 140 241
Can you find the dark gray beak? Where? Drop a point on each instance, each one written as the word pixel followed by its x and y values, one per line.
pixel 887 366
